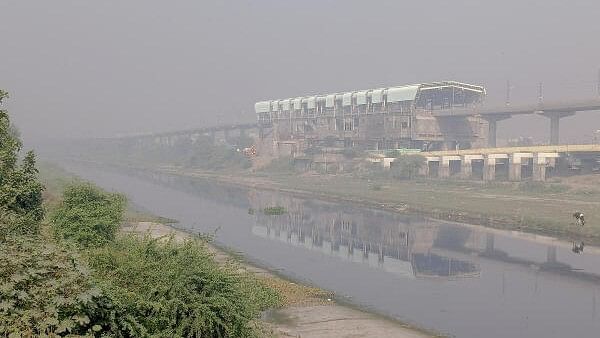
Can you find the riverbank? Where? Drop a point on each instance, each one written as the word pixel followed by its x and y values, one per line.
pixel 544 209
pixel 306 311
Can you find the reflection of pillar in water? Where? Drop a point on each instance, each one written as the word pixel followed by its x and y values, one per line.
pixel 350 246
pixel 551 254
pixel 594 305
pixel 365 250
pixel 380 254
pixel 300 234
pixel 489 243
pixel 503 283
pixel 335 243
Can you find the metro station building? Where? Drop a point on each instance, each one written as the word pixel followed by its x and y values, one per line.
pixel 416 116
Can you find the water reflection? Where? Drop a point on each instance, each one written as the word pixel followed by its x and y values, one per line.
pixel 578 247
pixel 517 285
pixel 404 248
pixel 404 245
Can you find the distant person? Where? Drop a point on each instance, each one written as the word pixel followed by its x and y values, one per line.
pixel 579 217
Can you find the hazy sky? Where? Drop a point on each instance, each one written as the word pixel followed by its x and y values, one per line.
pixel 98 68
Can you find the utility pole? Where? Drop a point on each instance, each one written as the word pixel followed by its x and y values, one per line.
pixel 540 93
pixel 508 92
pixel 598 84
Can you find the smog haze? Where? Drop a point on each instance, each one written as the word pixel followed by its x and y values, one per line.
pixel 108 68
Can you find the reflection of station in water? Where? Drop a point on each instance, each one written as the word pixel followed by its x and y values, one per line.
pixel 398 244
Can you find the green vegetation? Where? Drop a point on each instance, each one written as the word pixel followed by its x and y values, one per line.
pixel 77 276
pixel 169 289
pixel 20 191
pixel 200 153
pixel 46 289
pixel 274 211
pixel 407 166
pixel 87 215
pixel 279 165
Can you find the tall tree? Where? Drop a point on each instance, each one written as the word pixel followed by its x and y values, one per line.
pixel 20 191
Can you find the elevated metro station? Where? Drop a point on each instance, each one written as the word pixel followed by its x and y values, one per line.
pixel 411 116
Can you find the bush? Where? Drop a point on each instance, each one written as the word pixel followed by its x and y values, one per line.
pixel 88 215
pixel 169 289
pixel 273 211
pixel 46 289
pixel 407 166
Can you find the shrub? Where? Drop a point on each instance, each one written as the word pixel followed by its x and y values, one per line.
pixel 88 215
pixel 407 166
pixel 169 289
pixel 273 211
pixel 45 289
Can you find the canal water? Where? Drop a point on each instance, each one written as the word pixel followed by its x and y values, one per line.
pixel 464 281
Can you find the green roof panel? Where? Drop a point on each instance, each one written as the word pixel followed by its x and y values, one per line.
pixel 399 94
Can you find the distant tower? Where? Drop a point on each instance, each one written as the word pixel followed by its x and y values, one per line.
pixel 540 93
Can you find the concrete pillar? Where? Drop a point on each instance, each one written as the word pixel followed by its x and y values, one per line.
pixel 493 126
pixel 424 169
pixel 514 167
pixel 466 167
pixel 539 168
pixel 555 124
pixel 489 168
pixel 444 168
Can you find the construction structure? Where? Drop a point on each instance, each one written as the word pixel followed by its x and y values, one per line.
pixel 412 116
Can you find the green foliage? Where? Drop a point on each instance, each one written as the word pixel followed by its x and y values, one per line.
pixel 215 157
pixel 407 166
pixel 279 165
pixel 352 153
pixel 273 211
pixel 20 191
pixel 45 289
pixel 168 289
pixel 88 215
pixel 541 187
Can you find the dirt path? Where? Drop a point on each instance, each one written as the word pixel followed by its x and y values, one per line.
pixel 307 312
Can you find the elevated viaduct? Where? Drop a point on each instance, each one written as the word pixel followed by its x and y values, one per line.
pixel 515 162
pixel 554 111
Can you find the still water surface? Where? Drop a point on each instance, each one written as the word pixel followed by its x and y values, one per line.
pixel 460 280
